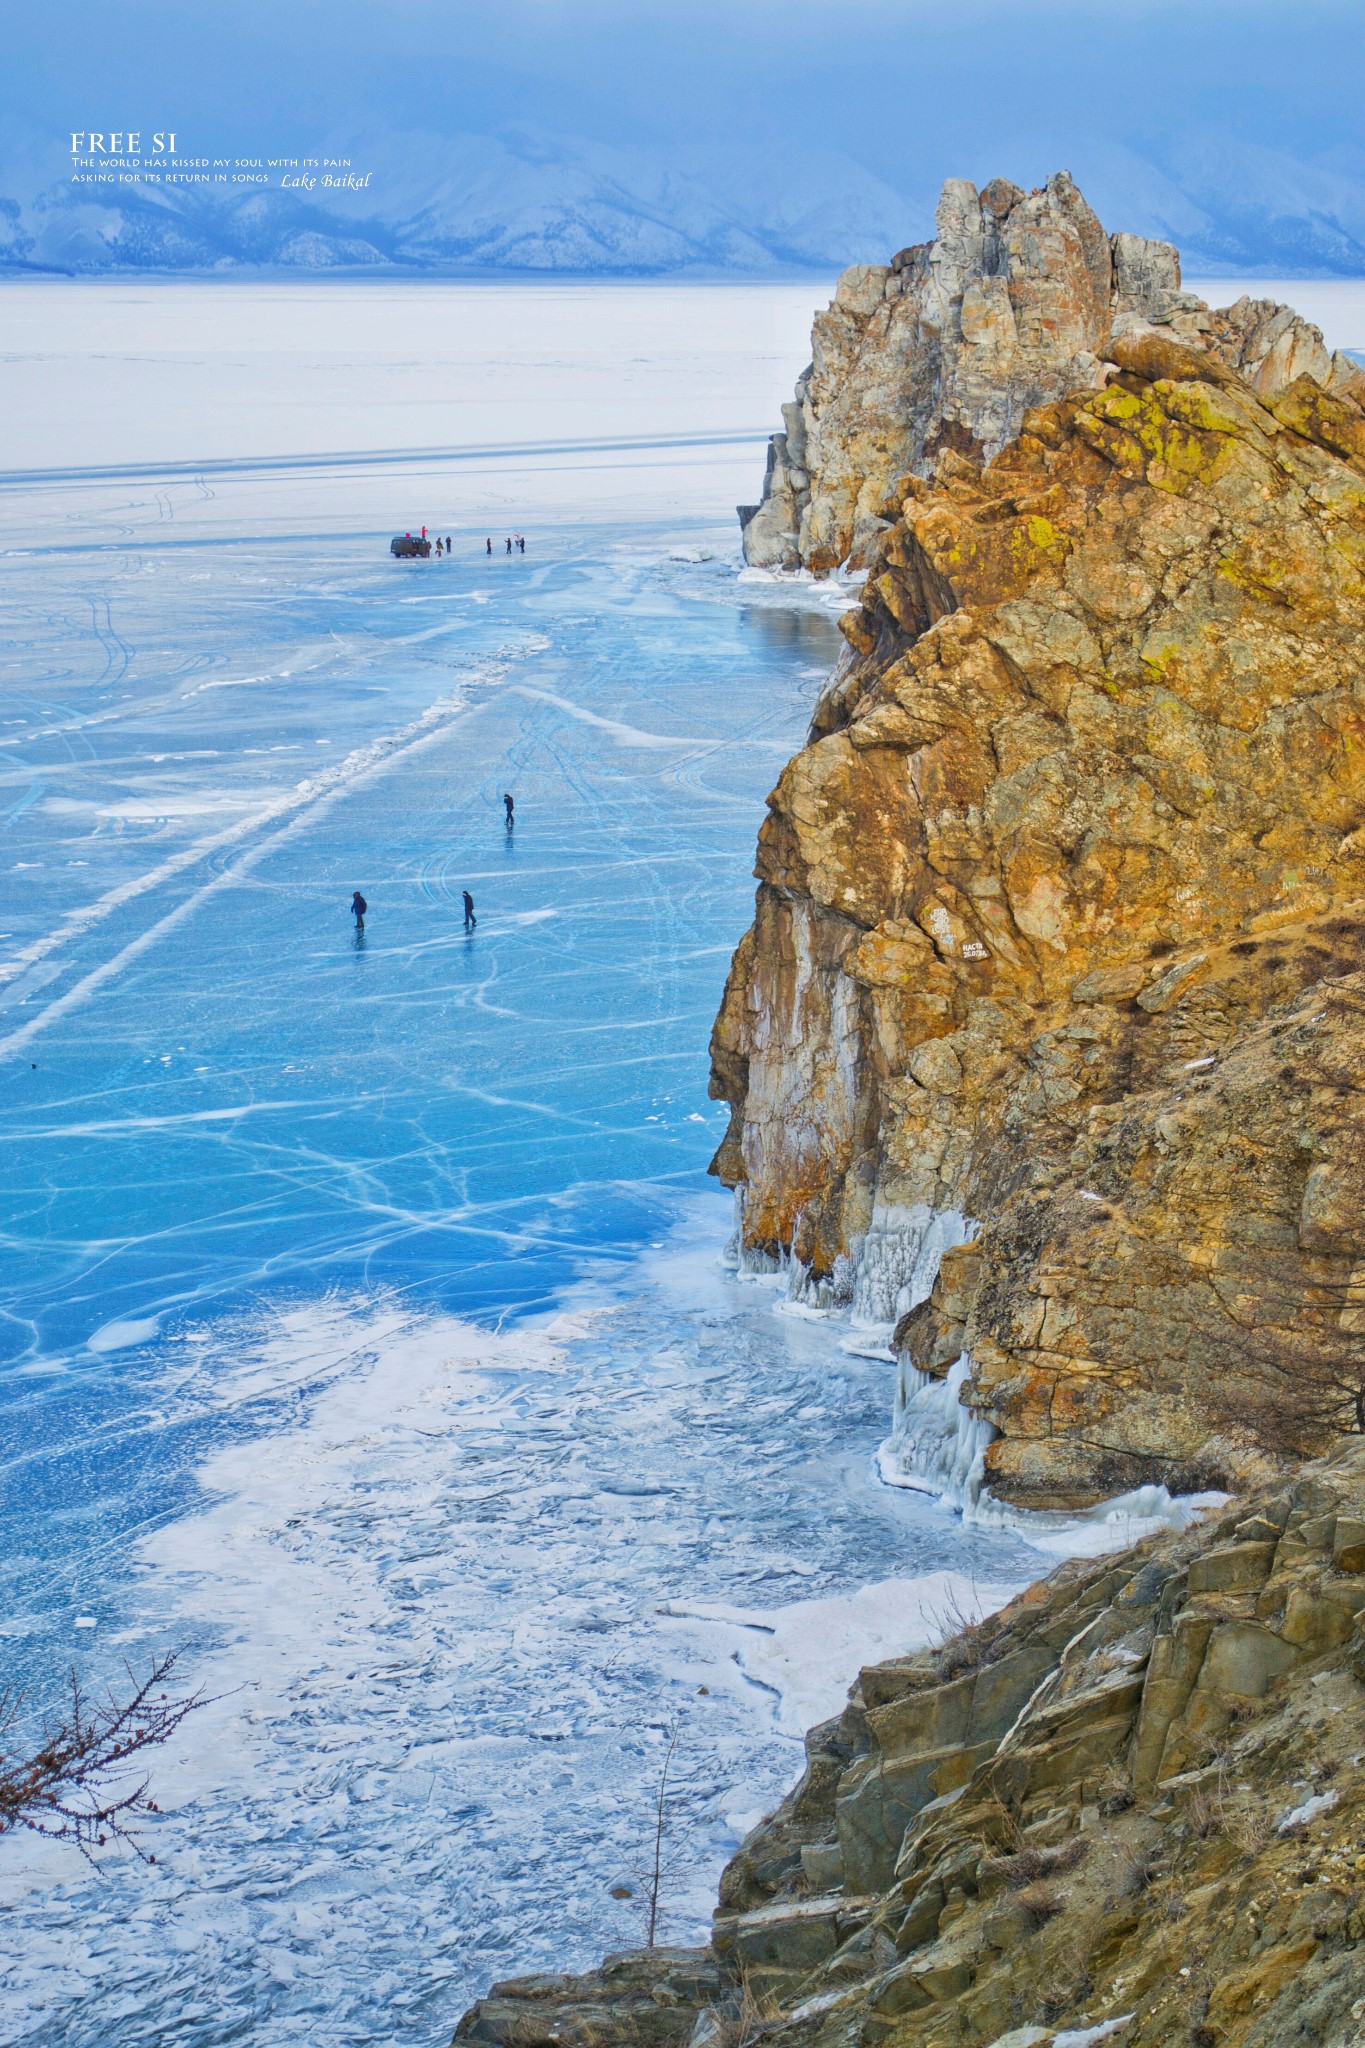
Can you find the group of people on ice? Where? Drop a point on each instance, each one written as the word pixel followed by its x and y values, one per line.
pixel 404 544
pixel 359 906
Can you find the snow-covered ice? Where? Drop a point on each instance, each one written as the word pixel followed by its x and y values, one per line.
pixel 310 408
pixel 808 1653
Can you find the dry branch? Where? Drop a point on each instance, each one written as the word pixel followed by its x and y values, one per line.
pixel 77 1784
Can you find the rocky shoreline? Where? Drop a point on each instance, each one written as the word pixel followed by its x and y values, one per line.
pixel 1130 1804
pixel 1016 302
pixel 1045 1062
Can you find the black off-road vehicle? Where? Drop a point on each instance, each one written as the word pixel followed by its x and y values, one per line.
pixel 408 544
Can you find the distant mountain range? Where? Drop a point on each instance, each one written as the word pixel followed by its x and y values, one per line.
pixel 539 204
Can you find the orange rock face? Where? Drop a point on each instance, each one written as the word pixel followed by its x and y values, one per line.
pixel 1061 926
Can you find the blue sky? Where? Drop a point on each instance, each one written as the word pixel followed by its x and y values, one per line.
pixel 912 90
pixel 1204 121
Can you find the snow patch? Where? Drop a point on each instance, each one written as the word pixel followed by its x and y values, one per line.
pixel 1086 2037
pixel 1299 1816
pixel 809 1653
pixel 121 1336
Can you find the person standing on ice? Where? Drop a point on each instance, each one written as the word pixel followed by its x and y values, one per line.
pixel 509 543
pixel 450 545
pixel 509 807
pixel 488 544
pixel 469 918
pixel 521 542
pixel 438 547
pixel 358 908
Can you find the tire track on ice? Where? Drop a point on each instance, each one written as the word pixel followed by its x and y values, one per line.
pixel 291 810
pixel 117 655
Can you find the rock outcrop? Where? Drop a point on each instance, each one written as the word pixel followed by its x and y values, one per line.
pixel 1046 1056
pixel 1128 1806
pixel 1017 302
pixel 1061 928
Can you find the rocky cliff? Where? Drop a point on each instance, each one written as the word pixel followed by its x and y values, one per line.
pixel 1059 937
pixel 1017 302
pixel 1127 1807
pixel 1046 1059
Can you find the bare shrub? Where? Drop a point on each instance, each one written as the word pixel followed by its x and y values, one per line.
pixel 651 1875
pixel 1230 1812
pixel 1115 1793
pixel 1204 1814
pixel 1298 1363
pixel 1064 1998
pixel 1133 1873
pixel 1285 1343
pixel 738 2025
pixel 966 1639
pixel 1026 1866
pixel 77 1784
pixel 1247 1825
pixel 1039 1903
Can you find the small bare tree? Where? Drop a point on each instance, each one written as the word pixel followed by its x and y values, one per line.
pixel 1298 1370
pixel 651 1874
pixel 77 1784
pixel 1282 1342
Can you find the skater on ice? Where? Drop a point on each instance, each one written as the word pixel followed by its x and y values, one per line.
pixel 469 918
pixel 509 807
pixel 358 908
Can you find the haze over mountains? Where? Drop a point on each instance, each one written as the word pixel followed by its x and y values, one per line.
pixel 531 200
pixel 757 138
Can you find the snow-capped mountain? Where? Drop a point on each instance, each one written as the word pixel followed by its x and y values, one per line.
pixel 509 203
pixel 529 202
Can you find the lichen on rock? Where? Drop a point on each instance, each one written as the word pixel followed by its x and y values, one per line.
pixel 1061 922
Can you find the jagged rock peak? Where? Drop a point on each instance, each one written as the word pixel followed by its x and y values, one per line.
pixel 1017 302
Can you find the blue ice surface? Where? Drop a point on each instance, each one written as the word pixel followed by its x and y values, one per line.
pixel 262 1099
pixel 249 1152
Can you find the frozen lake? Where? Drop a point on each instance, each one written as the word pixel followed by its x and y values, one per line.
pixel 364 1326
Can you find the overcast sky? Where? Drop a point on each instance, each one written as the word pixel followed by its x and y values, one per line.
pixel 911 91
